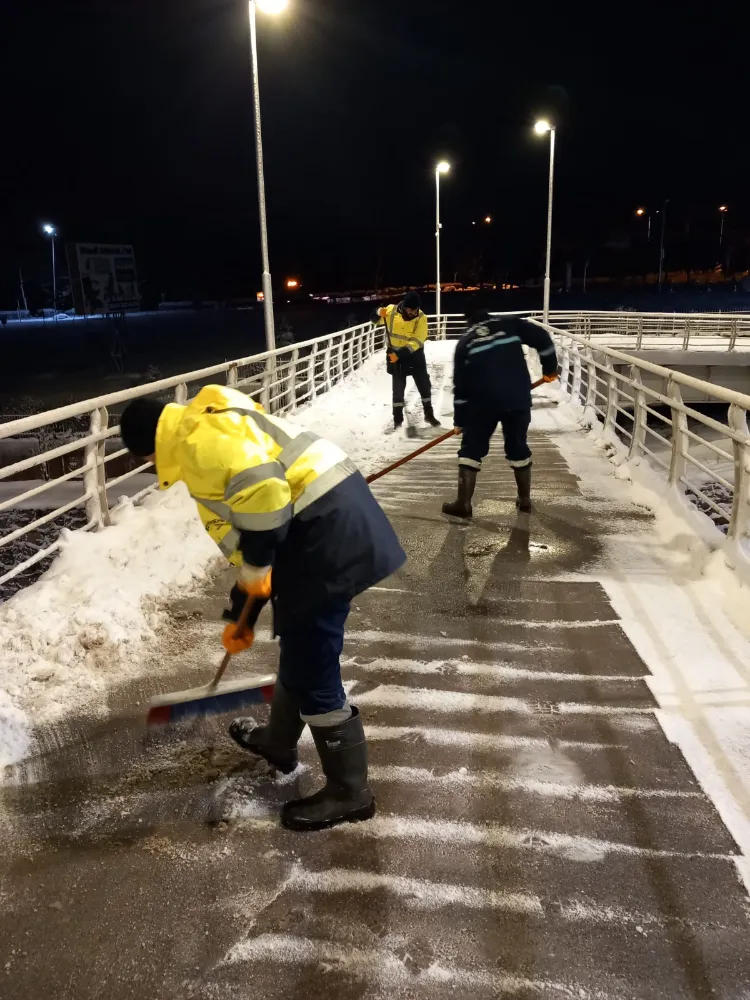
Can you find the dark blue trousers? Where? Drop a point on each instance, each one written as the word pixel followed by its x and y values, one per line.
pixel 310 664
pixel 481 424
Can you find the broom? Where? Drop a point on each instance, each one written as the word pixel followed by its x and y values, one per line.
pixel 215 697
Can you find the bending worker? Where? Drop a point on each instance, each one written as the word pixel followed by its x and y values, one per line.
pixel 491 386
pixel 294 513
pixel 406 333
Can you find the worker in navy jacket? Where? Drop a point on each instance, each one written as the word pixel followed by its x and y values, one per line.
pixel 492 386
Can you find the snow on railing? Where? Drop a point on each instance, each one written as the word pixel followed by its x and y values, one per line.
pixel 637 331
pixel 73 481
pixel 701 458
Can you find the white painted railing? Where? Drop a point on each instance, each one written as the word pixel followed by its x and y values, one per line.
pixel 700 457
pixel 71 475
pixel 660 331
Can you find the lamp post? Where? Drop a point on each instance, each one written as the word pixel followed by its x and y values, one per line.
pixel 722 212
pixel 640 212
pixel 50 230
pixel 541 128
pixel 267 7
pixel 661 246
pixel 442 168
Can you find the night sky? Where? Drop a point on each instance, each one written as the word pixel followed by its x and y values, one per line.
pixel 132 121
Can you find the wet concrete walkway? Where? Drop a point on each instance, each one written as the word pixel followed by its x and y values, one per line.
pixel 537 835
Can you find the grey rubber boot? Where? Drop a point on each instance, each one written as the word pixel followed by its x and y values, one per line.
pixel 346 797
pixel 276 742
pixel 467 481
pixel 523 482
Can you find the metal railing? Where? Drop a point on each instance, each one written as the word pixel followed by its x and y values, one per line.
pixel 649 331
pixel 76 473
pixel 701 458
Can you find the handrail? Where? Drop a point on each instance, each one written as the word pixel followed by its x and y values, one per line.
pixel 610 385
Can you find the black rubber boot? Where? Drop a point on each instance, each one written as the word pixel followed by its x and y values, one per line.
pixel 523 482
pixel 346 797
pixel 398 419
pixel 276 742
pixel 467 481
pixel 429 414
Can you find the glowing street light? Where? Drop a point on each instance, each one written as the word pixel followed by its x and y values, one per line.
pixel 723 209
pixel 640 212
pixel 292 283
pixel 542 127
pixel 488 219
pixel 442 167
pixel 267 7
pixel 51 231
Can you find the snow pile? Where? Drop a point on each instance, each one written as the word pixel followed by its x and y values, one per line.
pixel 80 626
pixel 356 413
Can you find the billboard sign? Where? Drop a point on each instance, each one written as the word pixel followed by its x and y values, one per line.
pixel 103 278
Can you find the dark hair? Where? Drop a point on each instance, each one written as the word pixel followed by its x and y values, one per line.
pixel 138 425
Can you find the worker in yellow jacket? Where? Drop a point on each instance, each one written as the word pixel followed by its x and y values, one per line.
pixel 406 332
pixel 292 511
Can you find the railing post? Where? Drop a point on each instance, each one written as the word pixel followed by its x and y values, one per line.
pixel 575 390
pixel 640 414
pixel 733 335
pixel 232 376
pixel 739 523
pixel 686 337
pixel 565 365
pixel 181 393
pixel 340 358
pixel 265 392
pixel 680 441
pixel 94 481
pixel 639 339
pixel 591 377
pixel 292 380
pixel 612 397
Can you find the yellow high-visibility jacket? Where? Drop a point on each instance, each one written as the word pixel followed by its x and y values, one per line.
pixel 247 470
pixel 409 333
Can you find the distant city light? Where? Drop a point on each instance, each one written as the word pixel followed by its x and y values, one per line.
pixel 260 297
pixel 443 167
pixel 292 283
pixel 542 126
pixel 272 6
pixel 488 219
pixel 640 211
pixel 48 229
pixel 722 208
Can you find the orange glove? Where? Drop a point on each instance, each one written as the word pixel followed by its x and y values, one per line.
pixel 550 378
pixel 234 643
pixel 255 581
pixel 393 358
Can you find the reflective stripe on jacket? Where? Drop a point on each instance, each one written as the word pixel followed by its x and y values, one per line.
pixel 410 333
pixel 247 470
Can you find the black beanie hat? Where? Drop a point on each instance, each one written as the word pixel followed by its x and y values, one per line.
pixel 138 425
pixel 411 301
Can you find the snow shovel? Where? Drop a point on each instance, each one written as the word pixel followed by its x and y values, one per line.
pixel 215 697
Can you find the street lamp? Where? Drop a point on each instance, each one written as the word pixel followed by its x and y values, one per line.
pixel 541 128
pixel 50 231
pixel 640 212
pixel 268 7
pixel 722 212
pixel 488 219
pixel 442 168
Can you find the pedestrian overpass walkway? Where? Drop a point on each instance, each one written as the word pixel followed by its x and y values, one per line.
pixel 538 834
